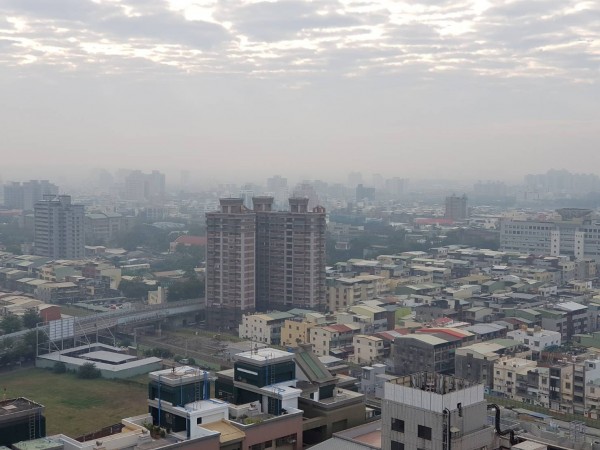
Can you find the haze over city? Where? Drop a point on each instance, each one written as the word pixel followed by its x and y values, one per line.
pixel 242 89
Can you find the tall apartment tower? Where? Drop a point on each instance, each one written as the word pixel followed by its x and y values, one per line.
pixel 456 207
pixel 59 228
pixel 230 264
pixel 290 256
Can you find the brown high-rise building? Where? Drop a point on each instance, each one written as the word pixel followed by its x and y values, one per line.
pixel 263 259
pixel 456 207
pixel 230 264
pixel 290 256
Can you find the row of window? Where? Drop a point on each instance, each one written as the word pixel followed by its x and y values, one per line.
pixel 423 431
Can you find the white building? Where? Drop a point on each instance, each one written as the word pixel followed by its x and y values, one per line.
pixel 59 228
pixel 265 328
pixel 537 339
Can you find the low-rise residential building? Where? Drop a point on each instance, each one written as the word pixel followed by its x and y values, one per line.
pixel 475 362
pixel 371 318
pixel 367 349
pixel 424 351
pixel 592 398
pixel 344 292
pixel 537 339
pixel 265 328
pixel 296 331
pixel 327 338
pixel 505 374
pixel 65 292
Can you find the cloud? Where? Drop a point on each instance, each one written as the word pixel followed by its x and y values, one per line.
pixel 497 39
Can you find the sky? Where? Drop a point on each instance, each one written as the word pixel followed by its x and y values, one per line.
pixel 243 89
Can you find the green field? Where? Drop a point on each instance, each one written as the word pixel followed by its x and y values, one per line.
pixel 73 406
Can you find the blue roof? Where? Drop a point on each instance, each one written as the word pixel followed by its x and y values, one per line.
pixel 532 413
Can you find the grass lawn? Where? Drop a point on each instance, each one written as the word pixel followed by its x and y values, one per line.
pixel 74 406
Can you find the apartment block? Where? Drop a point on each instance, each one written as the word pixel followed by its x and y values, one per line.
pixel 263 260
pixel 59 228
pixel 25 195
pixel 230 264
pixel 290 256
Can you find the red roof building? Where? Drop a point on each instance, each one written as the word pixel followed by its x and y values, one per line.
pixel 188 241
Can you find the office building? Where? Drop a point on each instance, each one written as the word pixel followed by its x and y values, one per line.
pixel 21 420
pixel 230 264
pixel 434 411
pixel 456 207
pixel 575 235
pixel 141 186
pixel 59 228
pixel 25 195
pixel 290 256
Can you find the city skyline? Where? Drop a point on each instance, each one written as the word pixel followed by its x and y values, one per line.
pixel 479 89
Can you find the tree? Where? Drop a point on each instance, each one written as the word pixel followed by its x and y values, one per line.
pixel 88 371
pixel 135 288
pixel 11 324
pixel 183 290
pixel 31 318
pixel 59 367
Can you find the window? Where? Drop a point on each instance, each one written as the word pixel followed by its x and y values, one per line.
pixel 398 425
pixel 397 445
pixel 424 432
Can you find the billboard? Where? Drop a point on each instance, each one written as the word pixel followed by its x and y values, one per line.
pixel 61 329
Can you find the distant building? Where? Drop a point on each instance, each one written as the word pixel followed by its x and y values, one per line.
pixel 103 227
pixel 25 195
pixel 187 240
pixel 364 193
pixel 141 187
pixel 576 235
pixel 59 228
pixel 456 208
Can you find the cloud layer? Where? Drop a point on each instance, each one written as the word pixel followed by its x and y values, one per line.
pixel 540 39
